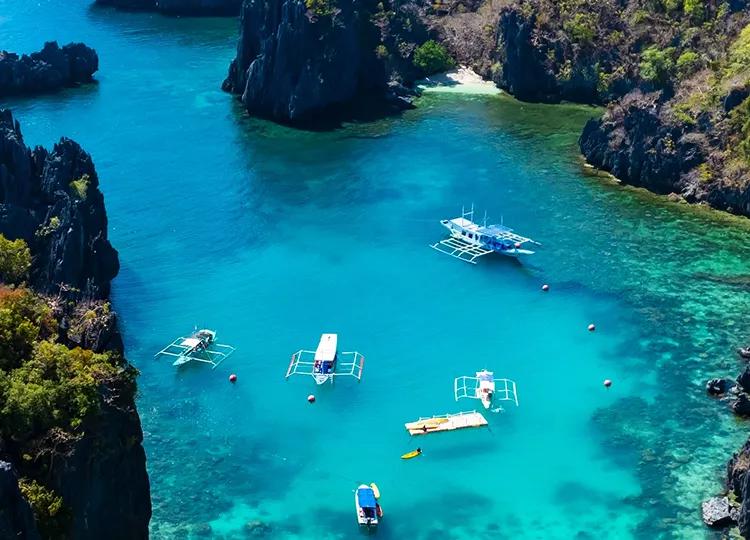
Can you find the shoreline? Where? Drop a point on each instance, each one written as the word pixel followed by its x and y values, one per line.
pixel 461 80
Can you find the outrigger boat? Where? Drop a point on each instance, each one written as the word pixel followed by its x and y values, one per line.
pixel 485 388
pixel 368 509
pixel 325 362
pixel 468 240
pixel 200 346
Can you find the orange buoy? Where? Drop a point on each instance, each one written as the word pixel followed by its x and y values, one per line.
pixel 545 287
pixel 592 327
pixel 232 378
pixel 311 399
pixel 607 383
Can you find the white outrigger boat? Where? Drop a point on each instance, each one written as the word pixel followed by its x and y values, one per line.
pixel 200 346
pixel 485 388
pixel 325 362
pixel 368 509
pixel 468 240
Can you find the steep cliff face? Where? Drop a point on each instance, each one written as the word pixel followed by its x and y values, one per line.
pixel 296 64
pixel 51 200
pixel 690 135
pixel 179 7
pixel 575 51
pixel 16 517
pixel 48 70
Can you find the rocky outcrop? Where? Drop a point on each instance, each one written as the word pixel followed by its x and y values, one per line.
pixel 179 7
pixel 48 70
pixel 633 143
pixel 640 141
pixel 51 199
pixel 16 517
pixel 719 512
pixel 298 64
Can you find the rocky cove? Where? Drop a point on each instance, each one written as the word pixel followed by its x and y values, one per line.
pixel 364 53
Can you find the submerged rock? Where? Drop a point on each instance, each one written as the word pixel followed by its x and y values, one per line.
pixel 48 70
pixel 719 512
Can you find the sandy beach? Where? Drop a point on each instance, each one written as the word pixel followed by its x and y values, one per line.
pixel 461 80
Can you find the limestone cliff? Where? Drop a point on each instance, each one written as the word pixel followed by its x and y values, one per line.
pixel 51 200
pixel 296 63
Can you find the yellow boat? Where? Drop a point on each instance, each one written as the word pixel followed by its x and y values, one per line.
pixel 412 454
pixel 431 424
pixel 375 490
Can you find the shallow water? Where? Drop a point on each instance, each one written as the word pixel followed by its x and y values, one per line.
pixel 273 236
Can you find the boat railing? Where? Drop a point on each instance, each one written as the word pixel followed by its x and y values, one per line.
pixel 350 364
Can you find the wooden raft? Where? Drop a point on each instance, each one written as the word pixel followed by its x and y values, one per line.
pixel 446 422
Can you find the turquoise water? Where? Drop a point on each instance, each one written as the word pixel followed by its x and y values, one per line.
pixel 273 236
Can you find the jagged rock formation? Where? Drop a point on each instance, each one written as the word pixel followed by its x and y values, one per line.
pixel 16 517
pixel 48 70
pixel 52 201
pixel 297 64
pixel 733 507
pixel 179 7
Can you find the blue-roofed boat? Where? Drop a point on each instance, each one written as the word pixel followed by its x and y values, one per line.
pixel 468 240
pixel 368 509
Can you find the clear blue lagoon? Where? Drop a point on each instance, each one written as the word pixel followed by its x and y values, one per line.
pixel 273 236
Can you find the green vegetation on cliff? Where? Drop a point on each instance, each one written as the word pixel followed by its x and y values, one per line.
pixel 48 390
pixel 15 261
pixel 431 57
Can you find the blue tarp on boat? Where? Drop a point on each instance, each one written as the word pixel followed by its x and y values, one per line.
pixel 366 498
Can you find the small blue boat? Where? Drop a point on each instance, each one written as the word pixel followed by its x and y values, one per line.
pixel 368 509
pixel 468 240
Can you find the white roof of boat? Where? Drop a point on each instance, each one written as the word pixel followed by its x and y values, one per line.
pixel 190 342
pixel 465 223
pixel 326 350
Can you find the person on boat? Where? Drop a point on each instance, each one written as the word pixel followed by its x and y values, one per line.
pixel 419 450
pixel 424 428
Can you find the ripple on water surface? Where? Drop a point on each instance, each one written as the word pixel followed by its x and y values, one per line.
pixel 273 236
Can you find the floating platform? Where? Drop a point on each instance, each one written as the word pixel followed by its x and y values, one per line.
pixel 446 422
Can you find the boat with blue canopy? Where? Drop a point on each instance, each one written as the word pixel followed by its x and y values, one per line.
pixel 468 240
pixel 368 509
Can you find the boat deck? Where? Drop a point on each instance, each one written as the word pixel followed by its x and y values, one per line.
pixel 446 422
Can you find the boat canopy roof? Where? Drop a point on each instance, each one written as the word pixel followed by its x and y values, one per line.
pixel 501 232
pixel 326 351
pixel 366 497
pixel 485 376
pixel 191 342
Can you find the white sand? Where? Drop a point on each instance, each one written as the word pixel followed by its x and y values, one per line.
pixel 462 80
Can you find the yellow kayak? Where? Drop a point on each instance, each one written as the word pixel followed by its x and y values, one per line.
pixel 410 455
pixel 375 490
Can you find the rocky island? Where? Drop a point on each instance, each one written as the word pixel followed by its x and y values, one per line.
pixel 71 460
pixel 48 70
pixel 308 60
